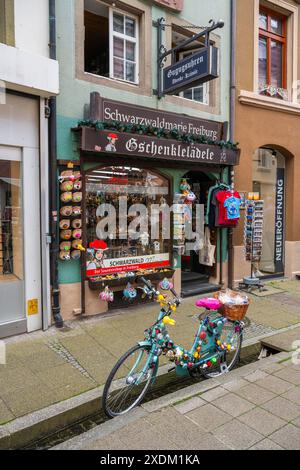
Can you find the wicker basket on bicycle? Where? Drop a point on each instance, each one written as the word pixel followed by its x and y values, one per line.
pixel 233 312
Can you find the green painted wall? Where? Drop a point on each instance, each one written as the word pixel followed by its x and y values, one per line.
pixel 75 94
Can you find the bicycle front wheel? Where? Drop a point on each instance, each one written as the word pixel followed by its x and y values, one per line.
pixel 231 334
pixel 128 382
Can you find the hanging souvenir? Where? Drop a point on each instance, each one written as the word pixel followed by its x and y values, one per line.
pixel 66 197
pixel 77 185
pixel 76 243
pixel 66 211
pixel 76 254
pixel 65 246
pixel 64 255
pixel 76 210
pixel 165 284
pixel 77 233
pixel 106 295
pixel 190 197
pixel 76 223
pixel 66 186
pixel 66 234
pixel 77 197
pixel 129 292
pixel 64 224
pixel 184 186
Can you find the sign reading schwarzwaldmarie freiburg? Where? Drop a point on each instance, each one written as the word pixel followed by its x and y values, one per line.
pixel 190 72
pixel 136 145
pixel 110 110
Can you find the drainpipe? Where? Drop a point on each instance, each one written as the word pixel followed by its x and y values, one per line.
pixel 53 186
pixel 232 125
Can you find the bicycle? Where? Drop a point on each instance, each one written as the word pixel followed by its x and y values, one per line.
pixel 215 351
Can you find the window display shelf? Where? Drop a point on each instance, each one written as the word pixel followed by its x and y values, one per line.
pixel 96 283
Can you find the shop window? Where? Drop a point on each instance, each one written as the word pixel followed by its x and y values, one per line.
pixel 111 42
pixel 121 210
pixel 272 54
pixel 200 93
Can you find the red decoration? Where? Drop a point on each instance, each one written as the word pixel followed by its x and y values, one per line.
pixel 98 245
pixel 202 335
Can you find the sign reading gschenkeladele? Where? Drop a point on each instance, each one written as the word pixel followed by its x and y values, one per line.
pixel 139 115
pixel 136 145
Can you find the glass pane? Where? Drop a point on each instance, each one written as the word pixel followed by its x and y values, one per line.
pixel 188 94
pixel 276 64
pixel 198 94
pixel 276 26
pixel 11 221
pixel 119 68
pixel 130 51
pixel 130 71
pixel 130 27
pixel 118 23
pixel 263 21
pixel 262 64
pixel 118 47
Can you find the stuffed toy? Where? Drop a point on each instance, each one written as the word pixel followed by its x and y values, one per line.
pixel 66 234
pixel 64 255
pixel 77 185
pixel 77 233
pixel 64 224
pixel 76 210
pixel 76 254
pixel 76 223
pixel 65 246
pixel 77 197
pixel 66 197
pixel 66 211
pixel 76 243
pixel 66 186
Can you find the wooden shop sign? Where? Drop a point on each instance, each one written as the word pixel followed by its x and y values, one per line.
pixel 136 145
pixel 108 110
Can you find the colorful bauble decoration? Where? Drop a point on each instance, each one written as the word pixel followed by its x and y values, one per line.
pixel 106 295
pixel 129 292
pixel 202 335
pixel 165 284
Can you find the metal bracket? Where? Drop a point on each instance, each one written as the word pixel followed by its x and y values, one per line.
pixel 163 52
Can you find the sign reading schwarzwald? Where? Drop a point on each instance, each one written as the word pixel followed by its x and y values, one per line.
pixel 136 145
pixel 108 110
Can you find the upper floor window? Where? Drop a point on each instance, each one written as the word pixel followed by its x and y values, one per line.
pixel 272 54
pixel 7 32
pixel 111 42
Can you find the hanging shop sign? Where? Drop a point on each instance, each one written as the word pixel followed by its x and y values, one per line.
pixel 108 110
pixel 99 267
pixel 190 72
pixel 135 145
pixel 279 221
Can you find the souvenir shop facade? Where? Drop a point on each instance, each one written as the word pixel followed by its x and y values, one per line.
pixel 135 161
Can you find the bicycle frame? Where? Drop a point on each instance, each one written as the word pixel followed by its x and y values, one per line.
pixel 205 348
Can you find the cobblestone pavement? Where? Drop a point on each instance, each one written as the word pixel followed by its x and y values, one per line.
pixel 45 368
pixel 254 407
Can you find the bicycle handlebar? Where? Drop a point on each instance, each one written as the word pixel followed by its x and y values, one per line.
pixel 152 289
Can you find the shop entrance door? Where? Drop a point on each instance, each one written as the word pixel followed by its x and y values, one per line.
pixel 12 311
pixel 269 182
pixel 196 277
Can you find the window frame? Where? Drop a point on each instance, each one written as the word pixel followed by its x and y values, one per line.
pixel 269 37
pixel 134 40
pixel 205 85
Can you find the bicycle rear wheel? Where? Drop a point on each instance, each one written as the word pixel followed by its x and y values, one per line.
pixel 233 335
pixel 128 382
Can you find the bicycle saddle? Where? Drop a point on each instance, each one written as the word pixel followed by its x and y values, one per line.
pixel 208 303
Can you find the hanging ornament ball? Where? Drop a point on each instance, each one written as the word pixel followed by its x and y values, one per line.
pixel 196 355
pixel 228 347
pixel 198 349
pixel 209 363
pixel 214 360
pixel 157 331
pixel 219 342
pixel 203 335
pixel 190 365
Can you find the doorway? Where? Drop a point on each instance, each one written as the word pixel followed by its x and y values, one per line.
pixel 269 181
pixel 12 310
pixel 195 277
